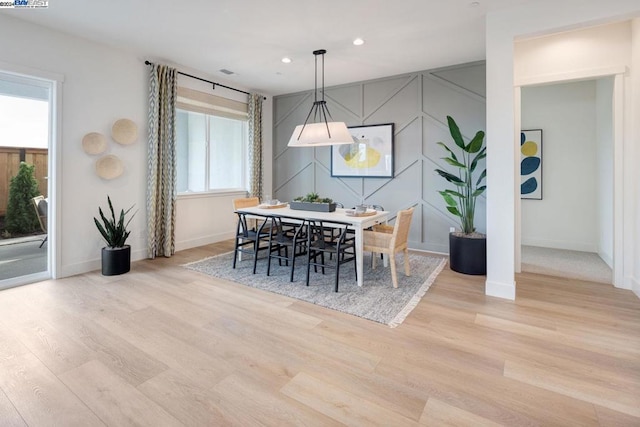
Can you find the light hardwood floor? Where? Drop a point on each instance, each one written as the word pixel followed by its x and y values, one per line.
pixel 163 346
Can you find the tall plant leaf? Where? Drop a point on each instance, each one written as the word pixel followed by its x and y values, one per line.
pixel 454 130
pixel 476 143
pixel 450 177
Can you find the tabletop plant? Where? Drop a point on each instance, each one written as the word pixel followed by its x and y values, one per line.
pixel 312 198
pixel 461 201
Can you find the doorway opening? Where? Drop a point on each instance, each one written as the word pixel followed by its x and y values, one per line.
pixel 26 135
pixel 569 229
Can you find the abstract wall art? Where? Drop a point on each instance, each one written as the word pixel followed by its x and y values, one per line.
pixel 370 157
pixel 531 164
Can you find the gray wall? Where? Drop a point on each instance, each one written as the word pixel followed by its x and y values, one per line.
pixel 417 104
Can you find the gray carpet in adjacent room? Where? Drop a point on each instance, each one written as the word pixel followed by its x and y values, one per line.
pixel 564 263
pixel 376 300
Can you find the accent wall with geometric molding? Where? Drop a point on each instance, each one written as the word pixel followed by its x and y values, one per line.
pixel 417 104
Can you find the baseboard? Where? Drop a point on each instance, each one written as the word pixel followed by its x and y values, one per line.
pixel 202 241
pixel 635 287
pixel 559 244
pixel 426 251
pixel 79 268
pixel 606 258
pixel 500 290
pixel 94 264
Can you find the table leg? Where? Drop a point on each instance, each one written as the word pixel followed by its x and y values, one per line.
pixel 359 255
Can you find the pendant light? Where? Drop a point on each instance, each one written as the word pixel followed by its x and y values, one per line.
pixel 321 132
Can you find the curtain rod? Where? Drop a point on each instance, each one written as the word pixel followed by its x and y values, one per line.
pixel 209 81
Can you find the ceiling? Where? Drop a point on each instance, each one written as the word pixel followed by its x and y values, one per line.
pixel 250 37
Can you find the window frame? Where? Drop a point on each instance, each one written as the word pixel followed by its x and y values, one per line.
pixel 193 101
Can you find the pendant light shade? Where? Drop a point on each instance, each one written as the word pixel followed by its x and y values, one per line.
pixel 321 132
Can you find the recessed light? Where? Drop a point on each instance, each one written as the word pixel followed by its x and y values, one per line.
pixel 358 42
pixel 474 4
pixel 286 60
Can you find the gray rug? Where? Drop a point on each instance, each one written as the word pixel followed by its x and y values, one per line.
pixel 376 300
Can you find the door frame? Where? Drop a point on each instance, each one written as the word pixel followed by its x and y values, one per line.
pixel 54 82
pixel 621 240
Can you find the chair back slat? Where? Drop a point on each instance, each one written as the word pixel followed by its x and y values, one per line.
pixel 402 226
pixel 245 202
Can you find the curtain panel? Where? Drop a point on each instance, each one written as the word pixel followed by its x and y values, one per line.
pixel 161 184
pixel 255 145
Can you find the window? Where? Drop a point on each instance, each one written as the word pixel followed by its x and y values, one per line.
pixel 212 146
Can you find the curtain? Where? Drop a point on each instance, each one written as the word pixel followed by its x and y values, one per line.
pixel 161 180
pixel 255 145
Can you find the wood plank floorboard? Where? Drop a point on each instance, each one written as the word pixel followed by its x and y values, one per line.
pixel 163 345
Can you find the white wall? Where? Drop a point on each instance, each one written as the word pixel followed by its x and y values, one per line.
pixel 503 27
pixel 553 56
pixel 634 154
pixel 566 217
pixel 604 168
pixel 101 85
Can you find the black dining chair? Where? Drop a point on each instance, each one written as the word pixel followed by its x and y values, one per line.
pixel 340 250
pixel 250 239
pixel 287 240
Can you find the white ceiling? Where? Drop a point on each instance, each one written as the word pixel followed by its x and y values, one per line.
pixel 249 37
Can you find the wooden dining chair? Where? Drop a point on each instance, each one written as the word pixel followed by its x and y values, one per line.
pixel 386 239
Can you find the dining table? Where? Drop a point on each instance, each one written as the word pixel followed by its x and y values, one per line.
pixel 357 222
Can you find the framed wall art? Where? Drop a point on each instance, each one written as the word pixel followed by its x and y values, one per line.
pixel 531 164
pixel 370 157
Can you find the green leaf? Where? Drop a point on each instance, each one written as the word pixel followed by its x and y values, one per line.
pixel 481 155
pixel 447 198
pixel 449 177
pixel 479 191
pixel 483 175
pixel 454 130
pixel 453 155
pixel 476 143
pixel 455 193
pixel 454 163
pixel 114 231
pixel 454 211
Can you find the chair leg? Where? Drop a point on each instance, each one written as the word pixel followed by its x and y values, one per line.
pixel 269 262
pixel 337 273
pixel 235 253
pixel 394 273
pixel 373 260
pixel 255 255
pixel 293 263
pixel 309 265
pixel 406 262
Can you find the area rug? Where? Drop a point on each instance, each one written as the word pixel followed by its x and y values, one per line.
pixel 376 300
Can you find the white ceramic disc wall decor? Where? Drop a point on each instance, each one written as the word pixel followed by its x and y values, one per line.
pixel 124 131
pixel 94 143
pixel 109 167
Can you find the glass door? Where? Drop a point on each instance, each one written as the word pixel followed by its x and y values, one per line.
pixel 25 137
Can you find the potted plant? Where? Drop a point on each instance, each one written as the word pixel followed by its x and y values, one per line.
pixel 467 248
pixel 116 256
pixel 313 202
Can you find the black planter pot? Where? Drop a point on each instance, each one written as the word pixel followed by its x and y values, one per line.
pixel 468 255
pixel 116 260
